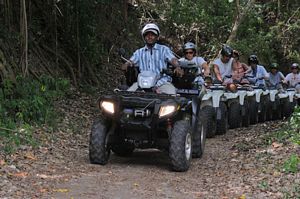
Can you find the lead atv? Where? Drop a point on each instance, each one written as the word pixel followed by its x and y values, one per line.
pixel 145 119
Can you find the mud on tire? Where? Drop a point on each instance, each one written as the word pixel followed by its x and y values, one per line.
pixel 180 147
pixel 98 149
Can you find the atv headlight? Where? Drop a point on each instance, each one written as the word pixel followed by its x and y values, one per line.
pixel 107 106
pixel 166 110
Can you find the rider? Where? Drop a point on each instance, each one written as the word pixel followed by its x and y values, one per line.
pixel 258 72
pixel 223 67
pixel 239 69
pixel 293 78
pixel 189 50
pixel 154 57
pixel 275 77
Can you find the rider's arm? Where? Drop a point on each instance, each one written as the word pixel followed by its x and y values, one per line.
pixel 287 79
pixel 217 72
pixel 178 71
pixel 265 73
pixel 206 69
pixel 246 68
pixel 281 76
pixel 134 59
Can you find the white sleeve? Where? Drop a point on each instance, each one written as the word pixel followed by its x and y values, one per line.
pixel 200 61
pixel 288 77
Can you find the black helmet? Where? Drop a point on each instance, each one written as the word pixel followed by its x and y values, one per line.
pixel 274 66
pixel 252 59
pixel 227 51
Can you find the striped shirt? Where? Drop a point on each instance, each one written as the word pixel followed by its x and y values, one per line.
pixel 153 59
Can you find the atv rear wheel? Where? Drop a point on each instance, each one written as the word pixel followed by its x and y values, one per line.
pixel 199 138
pixel 222 123
pixel 234 115
pixel 180 148
pixel 246 116
pixel 287 108
pixel 99 150
pixel 253 112
pixel 262 116
pixel 208 117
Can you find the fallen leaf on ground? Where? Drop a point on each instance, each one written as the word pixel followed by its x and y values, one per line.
pixel 30 156
pixel 2 162
pixel 61 190
pixel 276 145
pixel 20 174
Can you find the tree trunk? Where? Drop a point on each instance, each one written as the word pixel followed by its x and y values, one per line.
pixel 79 69
pixel 23 38
pixel 239 18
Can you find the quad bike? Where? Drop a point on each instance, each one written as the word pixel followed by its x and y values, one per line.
pixel 145 119
pixel 214 108
pixel 236 100
pixel 288 102
pixel 257 101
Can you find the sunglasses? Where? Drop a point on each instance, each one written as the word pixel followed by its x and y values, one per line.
pixel 189 52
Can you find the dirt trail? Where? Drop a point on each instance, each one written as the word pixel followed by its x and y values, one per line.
pixel 225 171
pixel 235 165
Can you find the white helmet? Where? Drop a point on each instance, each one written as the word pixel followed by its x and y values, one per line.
pixel 189 45
pixel 150 27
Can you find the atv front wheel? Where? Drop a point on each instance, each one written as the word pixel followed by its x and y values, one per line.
pixel 180 148
pixel 98 150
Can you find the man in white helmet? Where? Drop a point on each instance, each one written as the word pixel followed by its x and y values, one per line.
pixel 154 57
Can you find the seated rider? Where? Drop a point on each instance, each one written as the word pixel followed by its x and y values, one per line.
pixel 258 72
pixel 275 77
pixel 154 57
pixel 239 69
pixel 223 66
pixel 189 50
pixel 293 78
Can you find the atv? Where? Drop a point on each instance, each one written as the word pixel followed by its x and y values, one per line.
pixel 146 119
pixel 214 108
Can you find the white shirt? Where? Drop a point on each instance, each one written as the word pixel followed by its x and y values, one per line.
pixel 293 79
pixel 225 68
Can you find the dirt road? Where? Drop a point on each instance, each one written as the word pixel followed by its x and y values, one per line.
pixel 238 164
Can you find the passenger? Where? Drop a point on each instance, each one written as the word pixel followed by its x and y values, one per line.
pixel 239 70
pixel 154 57
pixel 293 78
pixel 258 72
pixel 275 78
pixel 189 50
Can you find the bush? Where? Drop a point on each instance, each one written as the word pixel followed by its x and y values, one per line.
pixel 25 103
pixel 289 132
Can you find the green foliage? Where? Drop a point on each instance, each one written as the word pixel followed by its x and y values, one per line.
pixel 26 103
pixel 291 165
pixel 289 133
